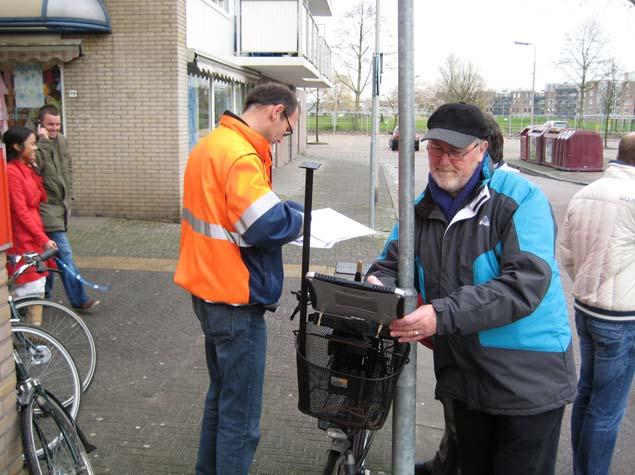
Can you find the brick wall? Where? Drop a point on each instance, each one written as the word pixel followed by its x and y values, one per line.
pixel 10 442
pixel 127 127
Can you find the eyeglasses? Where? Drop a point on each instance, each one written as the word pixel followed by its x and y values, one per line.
pixel 437 152
pixel 289 130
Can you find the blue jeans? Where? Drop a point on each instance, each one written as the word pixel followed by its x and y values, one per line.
pixel 607 351
pixel 235 347
pixel 74 288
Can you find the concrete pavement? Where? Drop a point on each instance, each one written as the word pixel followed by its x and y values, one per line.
pixel 144 408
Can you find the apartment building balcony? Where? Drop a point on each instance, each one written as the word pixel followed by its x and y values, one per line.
pixel 281 39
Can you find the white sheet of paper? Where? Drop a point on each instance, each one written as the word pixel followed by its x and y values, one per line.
pixel 329 227
pixel 315 243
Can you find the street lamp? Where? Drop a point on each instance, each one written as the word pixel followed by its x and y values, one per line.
pixel 533 80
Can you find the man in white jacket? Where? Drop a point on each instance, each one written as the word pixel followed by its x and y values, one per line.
pixel 598 246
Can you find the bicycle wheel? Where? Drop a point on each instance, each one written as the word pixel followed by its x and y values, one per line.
pixel 51 443
pixel 70 330
pixel 360 445
pixel 335 463
pixel 46 360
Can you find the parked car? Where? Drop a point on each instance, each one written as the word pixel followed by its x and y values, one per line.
pixel 557 124
pixel 393 142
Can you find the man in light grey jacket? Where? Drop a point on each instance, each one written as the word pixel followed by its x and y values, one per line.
pixel 598 244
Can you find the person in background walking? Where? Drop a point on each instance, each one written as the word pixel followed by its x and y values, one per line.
pixel 54 163
pixel 233 228
pixel 26 193
pixel 598 248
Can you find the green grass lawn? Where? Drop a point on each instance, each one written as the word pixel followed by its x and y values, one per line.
pixel 347 123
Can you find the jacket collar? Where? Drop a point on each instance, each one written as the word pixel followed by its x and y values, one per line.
pixel 617 169
pixel 425 206
pixel 260 144
pixel 24 169
pixel 28 171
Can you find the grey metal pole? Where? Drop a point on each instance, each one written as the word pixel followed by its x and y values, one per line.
pixel 404 410
pixel 533 76
pixel 533 87
pixel 375 120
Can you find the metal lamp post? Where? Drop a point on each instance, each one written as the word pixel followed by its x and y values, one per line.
pixel 533 77
pixel 375 121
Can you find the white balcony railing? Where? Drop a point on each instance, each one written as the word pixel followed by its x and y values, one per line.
pixel 282 28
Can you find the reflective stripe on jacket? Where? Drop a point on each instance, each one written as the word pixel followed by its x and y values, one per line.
pixel 503 342
pixel 233 225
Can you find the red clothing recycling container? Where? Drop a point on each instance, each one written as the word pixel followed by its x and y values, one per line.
pixel 579 150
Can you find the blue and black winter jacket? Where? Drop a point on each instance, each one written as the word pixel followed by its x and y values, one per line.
pixel 503 342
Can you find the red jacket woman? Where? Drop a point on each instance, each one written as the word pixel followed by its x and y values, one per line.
pixel 26 192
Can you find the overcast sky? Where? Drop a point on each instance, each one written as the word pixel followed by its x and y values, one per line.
pixel 484 33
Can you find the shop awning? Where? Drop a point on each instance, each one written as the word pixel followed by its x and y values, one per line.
pixel 17 52
pixel 222 69
pixel 30 16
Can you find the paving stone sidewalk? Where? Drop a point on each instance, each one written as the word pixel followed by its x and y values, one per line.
pixel 144 408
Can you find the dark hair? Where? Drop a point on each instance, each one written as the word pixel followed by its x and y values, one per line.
pixel 272 94
pixel 15 136
pixel 626 149
pixel 50 110
pixel 495 138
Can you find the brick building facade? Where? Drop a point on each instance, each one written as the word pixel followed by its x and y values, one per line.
pixel 141 84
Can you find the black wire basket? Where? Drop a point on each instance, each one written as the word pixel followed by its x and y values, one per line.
pixel 347 379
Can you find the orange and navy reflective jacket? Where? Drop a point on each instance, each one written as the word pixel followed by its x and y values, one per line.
pixel 233 225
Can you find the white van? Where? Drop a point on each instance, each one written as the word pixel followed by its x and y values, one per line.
pixel 557 124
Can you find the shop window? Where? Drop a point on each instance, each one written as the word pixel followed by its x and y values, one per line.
pixel 198 106
pixel 204 124
pixel 24 89
pixel 223 98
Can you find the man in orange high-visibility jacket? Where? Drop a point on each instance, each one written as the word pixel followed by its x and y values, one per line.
pixel 232 231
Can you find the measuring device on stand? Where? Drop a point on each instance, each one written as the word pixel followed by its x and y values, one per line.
pixel 347 363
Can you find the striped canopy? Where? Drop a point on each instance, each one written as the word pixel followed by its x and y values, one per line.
pixel 26 16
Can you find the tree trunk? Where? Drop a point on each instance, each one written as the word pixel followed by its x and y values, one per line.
pixel 317 116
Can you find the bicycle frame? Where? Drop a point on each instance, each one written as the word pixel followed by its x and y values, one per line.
pixel 29 388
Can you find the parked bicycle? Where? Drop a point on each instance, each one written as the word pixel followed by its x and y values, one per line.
pixel 45 359
pixel 60 321
pixel 347 363
pixel 348 368
pixel 50 437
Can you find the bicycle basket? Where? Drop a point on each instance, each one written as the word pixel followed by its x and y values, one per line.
pixel 348 381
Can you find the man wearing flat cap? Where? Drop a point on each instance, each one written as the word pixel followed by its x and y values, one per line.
pixel 492 297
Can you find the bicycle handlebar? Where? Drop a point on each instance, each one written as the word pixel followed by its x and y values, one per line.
pixel 47 254
pixel 32 260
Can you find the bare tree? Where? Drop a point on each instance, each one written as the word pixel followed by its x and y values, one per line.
pixel 356 39
pixel 391 102
pixel 460 81
pixel 582 58
pixel 317 95
pixel 426 97
pixel 612 92
pixel 336 99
